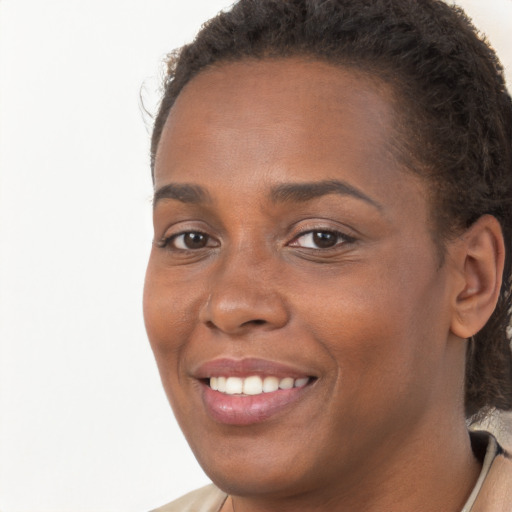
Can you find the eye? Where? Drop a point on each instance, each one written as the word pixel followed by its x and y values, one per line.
pixel 188 241
pixel 320 239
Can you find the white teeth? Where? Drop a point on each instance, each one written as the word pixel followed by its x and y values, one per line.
pixel 286 383
pixel 221 384
pixel 270 384
pixel 234 385
pixel 254 385
pixel 300 383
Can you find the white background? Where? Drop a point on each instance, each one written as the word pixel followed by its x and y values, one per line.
pixel 84 424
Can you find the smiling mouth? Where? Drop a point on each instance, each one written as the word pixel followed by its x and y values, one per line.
pixel 254 384
pixel 243 392
pixel 244 401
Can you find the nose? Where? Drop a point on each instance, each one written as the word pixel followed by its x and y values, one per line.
pixel 244 296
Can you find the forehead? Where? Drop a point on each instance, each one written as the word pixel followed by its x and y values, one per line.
pixel 311 82
pixel 309 107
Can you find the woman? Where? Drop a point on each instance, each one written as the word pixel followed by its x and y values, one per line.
pixel 328 293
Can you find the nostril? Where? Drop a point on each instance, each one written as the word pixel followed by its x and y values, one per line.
pixel 256 322
pixel 249 323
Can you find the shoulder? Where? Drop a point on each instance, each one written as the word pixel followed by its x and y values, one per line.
pixel 496 492
pixel 206 499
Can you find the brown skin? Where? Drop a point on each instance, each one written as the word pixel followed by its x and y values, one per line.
pixel 377 318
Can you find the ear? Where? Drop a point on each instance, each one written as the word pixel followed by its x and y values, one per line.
pixel 480 259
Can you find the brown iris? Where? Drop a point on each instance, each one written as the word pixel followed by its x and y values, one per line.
pixel 195 240
pixel 325 239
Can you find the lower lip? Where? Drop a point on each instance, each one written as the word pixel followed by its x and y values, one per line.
pixel 248 409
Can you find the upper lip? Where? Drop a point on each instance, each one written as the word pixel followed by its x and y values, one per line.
pixel 247 367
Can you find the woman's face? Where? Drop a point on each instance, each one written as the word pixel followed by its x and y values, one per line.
pixel 292 250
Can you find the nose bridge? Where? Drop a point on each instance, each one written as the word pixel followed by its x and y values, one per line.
pixel 244 292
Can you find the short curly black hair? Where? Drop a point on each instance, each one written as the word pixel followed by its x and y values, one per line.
pixel 451 93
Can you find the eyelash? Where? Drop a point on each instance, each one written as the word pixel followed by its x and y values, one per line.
pixel 341 239
pixel 168 241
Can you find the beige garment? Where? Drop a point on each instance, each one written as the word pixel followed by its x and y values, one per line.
pixel 496 492
pixel 492 492
pixel 206 499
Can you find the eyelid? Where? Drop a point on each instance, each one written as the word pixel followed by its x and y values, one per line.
pixel 165 229
pixel 343 238
pixel 167 240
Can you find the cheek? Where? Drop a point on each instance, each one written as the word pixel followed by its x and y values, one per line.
pixel 382 325
pixel 169 313
pixel 359 302
pixel 367 338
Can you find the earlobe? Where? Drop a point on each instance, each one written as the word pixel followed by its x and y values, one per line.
pixel 480 260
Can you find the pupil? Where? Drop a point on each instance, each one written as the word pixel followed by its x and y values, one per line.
pixel 324 240
pixel 195 240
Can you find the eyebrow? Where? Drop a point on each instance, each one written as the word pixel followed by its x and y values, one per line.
pixel 182 192
pixel 285 192
pixel 303 192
